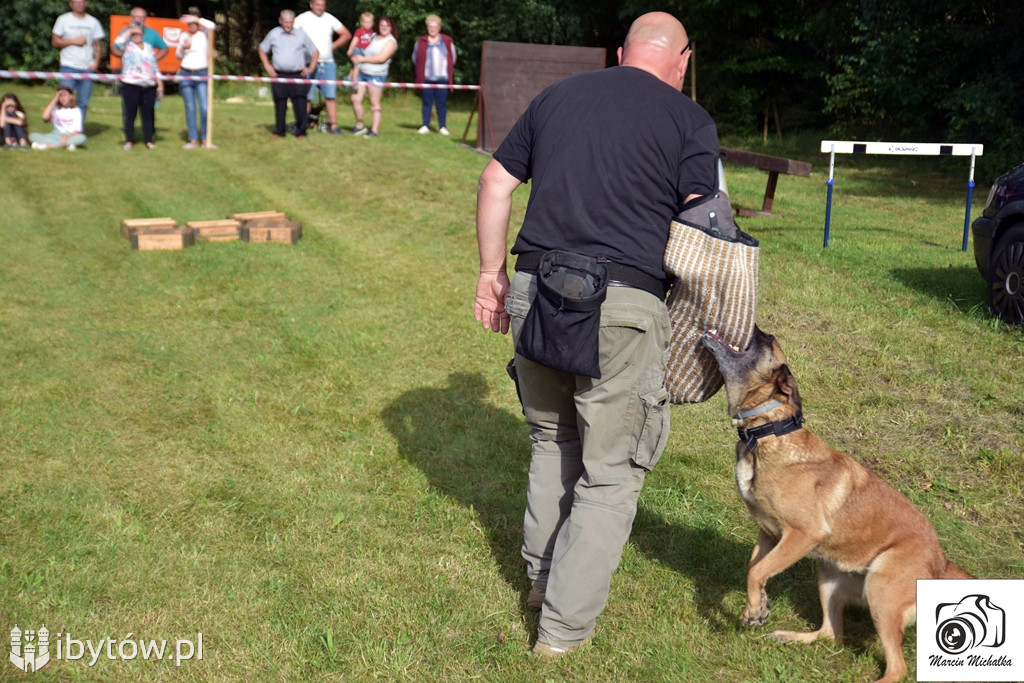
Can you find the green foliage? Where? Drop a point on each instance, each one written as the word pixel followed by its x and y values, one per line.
pixel 26 27
pixel 934 71
pixel 756 56
pixel 533 21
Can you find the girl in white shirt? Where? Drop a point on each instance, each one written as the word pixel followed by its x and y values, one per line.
pixel 66 117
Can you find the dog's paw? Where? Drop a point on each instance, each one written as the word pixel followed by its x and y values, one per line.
pixel 756 617
pixel 796 636
pixel 779 636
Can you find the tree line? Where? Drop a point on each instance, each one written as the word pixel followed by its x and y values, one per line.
pixel 915 70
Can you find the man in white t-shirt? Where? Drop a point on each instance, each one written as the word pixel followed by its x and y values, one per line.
pixel 78 36
pixel 321 26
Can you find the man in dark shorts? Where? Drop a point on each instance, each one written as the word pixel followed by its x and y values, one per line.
pixel 613 156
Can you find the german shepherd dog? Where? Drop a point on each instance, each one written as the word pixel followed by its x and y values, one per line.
pixel 872 544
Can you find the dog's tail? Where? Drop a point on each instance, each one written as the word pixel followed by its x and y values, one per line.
pixel 952 571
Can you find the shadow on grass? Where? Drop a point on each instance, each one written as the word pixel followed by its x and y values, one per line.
pixel 479 455
pixel 92 129
pixel 716 566
pixel 963 285
pixel 473 452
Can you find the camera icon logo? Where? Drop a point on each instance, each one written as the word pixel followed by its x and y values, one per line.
pixel 973 622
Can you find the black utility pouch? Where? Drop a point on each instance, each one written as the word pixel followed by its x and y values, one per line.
pixel 562 328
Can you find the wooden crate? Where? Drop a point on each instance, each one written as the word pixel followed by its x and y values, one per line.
pixel 280 231
pixel 259 215
pixel 130 224
pixel 222 230
pixel 153 239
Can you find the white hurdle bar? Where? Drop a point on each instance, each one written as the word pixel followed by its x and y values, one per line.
pixel 833 147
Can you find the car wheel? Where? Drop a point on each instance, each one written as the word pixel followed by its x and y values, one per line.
pixel 1006 276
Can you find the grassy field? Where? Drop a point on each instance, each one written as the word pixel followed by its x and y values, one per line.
pixel 312 455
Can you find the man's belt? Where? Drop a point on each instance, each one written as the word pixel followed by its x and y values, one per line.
pixel 618 274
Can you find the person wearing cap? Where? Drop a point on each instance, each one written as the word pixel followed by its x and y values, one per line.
pixel 66 117
pixel 194 52
pixel 149 36
pixel 79 37
pixel 294 56
pixel 328 34
pixel 140 81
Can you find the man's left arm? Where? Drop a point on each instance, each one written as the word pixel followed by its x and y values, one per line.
pixel 344 36
pixel 493 210
pixel 97 52
pixel 700 165
pixel 311 67
pixel 159 46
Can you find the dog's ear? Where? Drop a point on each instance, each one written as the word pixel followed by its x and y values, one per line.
pixel 785 383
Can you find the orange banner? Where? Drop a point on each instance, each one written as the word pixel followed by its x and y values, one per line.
pixel 169 29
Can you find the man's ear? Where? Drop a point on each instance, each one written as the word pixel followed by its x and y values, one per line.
pixel 618 53
pixel 683 65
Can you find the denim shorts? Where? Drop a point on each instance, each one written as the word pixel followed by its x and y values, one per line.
pixel 377 81
pixel 325 71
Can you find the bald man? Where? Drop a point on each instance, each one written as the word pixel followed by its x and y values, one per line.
pixel 294 56
pixel 613 156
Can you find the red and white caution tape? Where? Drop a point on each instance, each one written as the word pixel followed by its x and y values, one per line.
pixel 108 78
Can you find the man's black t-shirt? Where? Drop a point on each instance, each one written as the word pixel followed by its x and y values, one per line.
pixel 612 155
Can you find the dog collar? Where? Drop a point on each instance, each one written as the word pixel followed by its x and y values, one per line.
pixel 750 436
pixel 744 414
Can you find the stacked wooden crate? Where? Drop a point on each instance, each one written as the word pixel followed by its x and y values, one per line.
pixel 268 226
pixel 223 230
pixel 147 234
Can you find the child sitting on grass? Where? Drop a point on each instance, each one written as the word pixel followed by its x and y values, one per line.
pixel 67 133
pixel 13 121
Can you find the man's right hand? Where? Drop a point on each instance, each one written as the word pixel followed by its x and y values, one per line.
pixel 489 307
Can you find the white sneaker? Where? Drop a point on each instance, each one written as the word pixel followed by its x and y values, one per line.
pixel 443 131
pixel 423 130
pixel 39 145
pixel 71 148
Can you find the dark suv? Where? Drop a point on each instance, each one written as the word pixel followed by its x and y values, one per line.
pixel 999 246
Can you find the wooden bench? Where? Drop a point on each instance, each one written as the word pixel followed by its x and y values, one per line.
pixel 774 166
